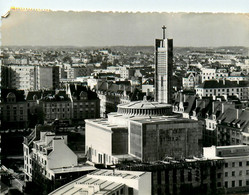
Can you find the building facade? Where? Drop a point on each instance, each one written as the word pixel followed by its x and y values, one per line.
pixel 49 162
pixel 223 88
pixel 29 77
pixel 234 172
pixel 13 109
pixel 146 131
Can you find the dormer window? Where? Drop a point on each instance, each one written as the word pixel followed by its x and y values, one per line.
pixel 11 97
pixel 83 95
pixel 35 97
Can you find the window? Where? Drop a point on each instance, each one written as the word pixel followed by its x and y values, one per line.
pixel 247 172
pixel 226 165
pixel 226 174
pixel 226 184
pixel 233 164
pixel 247 163
pixel 233 173
pixel 130 191
pixel 240 182
pixel 233 183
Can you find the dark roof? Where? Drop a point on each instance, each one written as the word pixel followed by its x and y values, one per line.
pixel 31 95
pixel 136 95
pixel 59 96
pixel 123 82
pixel 190 104
pixel 223 84
pixel 203 107
pixel 77 89
pixel 113 87
pixel 234 117
pixel 148 82
pixel 18 93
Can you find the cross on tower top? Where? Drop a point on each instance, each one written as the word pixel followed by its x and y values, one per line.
pixel 164 28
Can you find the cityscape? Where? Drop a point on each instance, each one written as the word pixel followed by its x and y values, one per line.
pixel 135 120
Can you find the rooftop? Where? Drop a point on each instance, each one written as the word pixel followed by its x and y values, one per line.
pixel 104 123
pixel 78 168
pixel 162 119
pixel 100 180
pixel 143 105
pixel 118 173
pixel 223 84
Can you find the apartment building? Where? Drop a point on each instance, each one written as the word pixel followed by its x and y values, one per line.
pixel 48 162
pixel 13 109
pixel 235 170
pixel 27 77
pixel 223 88
pixel 232 127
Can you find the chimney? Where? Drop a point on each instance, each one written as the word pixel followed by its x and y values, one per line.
pixel 181 99
pixel 237 113
pixel 107 85
pixel 125 91
pixel 225 97
pixel 148 92
pixel 222 107
pixel 184 98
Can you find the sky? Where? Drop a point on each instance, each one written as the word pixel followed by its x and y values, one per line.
pixel 107 29
pixel 238 6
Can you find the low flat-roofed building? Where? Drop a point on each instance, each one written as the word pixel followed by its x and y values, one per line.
pixel 104 181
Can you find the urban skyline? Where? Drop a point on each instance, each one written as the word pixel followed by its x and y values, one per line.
pixel 124 120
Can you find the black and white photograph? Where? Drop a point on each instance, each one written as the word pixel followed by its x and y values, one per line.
pixel 109 97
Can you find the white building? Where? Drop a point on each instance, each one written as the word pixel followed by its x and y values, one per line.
pixel 212 73
pixel 51 154
pixel 190 80
pixel 127 134
pixel 111 182
pixel 235 172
